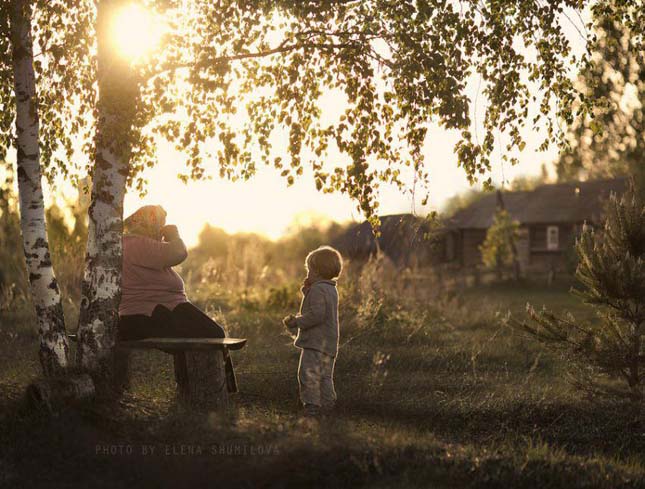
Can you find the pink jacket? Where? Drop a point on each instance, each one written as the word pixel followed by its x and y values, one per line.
pixel 147 277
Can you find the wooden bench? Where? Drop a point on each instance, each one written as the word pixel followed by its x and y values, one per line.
pixel 199 366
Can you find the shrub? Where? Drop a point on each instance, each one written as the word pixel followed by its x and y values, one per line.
pixel 498 249
pixel 607 356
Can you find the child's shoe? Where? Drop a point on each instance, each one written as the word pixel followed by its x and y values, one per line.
pixel 311 411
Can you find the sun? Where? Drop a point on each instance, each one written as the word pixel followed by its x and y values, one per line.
pixel 136 31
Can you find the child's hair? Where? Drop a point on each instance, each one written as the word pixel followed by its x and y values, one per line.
pixel 325 261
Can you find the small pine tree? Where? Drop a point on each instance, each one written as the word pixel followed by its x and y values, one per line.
pixel 498 249
pixel 607 356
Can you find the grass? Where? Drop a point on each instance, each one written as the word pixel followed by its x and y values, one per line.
pixel 437 394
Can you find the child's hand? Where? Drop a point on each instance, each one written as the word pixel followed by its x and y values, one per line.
pixel 289 321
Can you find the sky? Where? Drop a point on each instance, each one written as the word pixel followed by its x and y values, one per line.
pixel 265 205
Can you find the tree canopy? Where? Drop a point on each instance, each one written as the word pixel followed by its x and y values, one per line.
pixel 238 84
pixel 63 33
pixel 608 139
pixel 235 74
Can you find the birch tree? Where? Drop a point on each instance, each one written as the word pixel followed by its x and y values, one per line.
pixel 115 112
pixel 45 294
pixel 22 111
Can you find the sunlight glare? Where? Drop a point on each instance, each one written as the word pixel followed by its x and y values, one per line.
pixel 136 31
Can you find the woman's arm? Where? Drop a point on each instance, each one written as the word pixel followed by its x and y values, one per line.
pixel 177 251
pixel 150 253
pixel 174 253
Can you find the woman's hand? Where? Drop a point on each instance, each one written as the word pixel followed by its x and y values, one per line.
pixel 169 232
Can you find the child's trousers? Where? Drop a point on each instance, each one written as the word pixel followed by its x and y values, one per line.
pixel 316 378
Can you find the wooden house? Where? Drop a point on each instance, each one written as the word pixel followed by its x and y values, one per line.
pixel 550 218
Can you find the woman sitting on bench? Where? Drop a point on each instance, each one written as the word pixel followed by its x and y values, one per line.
pixel 153 300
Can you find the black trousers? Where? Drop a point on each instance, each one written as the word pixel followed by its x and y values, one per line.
pixel 184 321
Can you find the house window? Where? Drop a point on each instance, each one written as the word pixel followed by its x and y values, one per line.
pixel 552 238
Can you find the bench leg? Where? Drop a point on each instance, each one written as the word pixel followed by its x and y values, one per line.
pixel 181 376
pixel 201 380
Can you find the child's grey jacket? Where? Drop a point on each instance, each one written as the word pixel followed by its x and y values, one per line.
pixel 318 319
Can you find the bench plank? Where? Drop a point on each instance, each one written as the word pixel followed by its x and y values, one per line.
pixel 185 344
pixel 199 364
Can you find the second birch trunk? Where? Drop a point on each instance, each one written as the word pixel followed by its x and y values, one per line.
pixel 101 287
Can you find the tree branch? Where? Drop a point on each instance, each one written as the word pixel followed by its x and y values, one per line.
pixel 282 48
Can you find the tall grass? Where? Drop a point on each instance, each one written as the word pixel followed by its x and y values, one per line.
pixel 433 390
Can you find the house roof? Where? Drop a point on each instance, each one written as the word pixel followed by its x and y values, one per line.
pixel 401 234
pixel 571 202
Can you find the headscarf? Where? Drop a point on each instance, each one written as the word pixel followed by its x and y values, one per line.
pixel 146 221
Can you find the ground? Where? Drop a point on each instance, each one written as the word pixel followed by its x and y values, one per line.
pixel 442 396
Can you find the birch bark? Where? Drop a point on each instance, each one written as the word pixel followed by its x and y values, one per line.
pixel 54 347
pixel 101 287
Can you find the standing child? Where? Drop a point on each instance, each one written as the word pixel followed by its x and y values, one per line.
pixel 317 328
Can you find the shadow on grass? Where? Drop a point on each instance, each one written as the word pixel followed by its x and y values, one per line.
pixel 585 429
pixel 77 450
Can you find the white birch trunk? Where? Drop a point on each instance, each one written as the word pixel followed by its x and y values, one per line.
pixel 101 287
pixel 54 347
